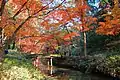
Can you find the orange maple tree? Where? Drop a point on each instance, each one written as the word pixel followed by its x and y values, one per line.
pixel 77 16
pixel 19 20
pixel 111 26
pixel 34 23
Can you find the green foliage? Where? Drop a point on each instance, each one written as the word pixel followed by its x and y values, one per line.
pixel 105 63
pixel 14 68
pixel 107 1
pixel 111 65
pixel 104 1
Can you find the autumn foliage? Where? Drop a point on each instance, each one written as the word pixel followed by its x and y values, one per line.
pixel 111 26
pixel 35 26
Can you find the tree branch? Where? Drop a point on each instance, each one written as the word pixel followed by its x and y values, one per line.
pixel 20 9
pixel 20 26
pixel 2 7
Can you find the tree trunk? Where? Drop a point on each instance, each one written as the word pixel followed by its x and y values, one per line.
pixel 1 53
pixel 85 44
pixel 1 46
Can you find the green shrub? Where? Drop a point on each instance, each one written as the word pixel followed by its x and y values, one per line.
pixel 20 69
pixel 110 65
